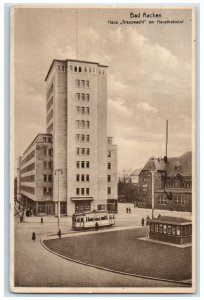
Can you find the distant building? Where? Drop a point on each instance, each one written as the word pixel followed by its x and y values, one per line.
pixel 134 176
pixel 172 183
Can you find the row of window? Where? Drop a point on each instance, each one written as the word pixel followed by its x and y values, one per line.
pixel 85 69
pixel 83 164
pixel 48 152
pixel 82 137
pixel 82 110
pixel 28 157
pixel 50 91
pixel 178 184
pixel 49 117
pixel 50 103
pixel 82 177
pixel 30 178
pixel 28 189
pixel 82 151
pixel 82 97
pixel 48 178
pixel 82 124
pixel 47 139
pixel 82 83
pixel 48 165
pixel 82 191
pixel 28 168
pixel 50 128
pixel 178 200
pixel 171 229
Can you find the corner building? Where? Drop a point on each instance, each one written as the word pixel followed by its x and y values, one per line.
pixel 76 93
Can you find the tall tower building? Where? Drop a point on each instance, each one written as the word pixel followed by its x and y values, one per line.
pixel 76 93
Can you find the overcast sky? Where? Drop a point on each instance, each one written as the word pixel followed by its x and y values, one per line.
pixel 149 75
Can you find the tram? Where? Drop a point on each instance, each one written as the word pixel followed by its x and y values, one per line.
pixel 92 219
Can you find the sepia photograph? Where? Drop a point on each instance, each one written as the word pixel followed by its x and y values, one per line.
pixel 102 147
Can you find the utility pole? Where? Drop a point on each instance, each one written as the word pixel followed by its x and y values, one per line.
pixel 58 172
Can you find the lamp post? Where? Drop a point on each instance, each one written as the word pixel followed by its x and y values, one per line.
pixel 152 173
pixel 58 172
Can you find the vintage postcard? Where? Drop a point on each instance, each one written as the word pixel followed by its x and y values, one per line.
pixel 102 149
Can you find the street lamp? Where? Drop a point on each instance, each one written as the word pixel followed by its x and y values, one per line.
pixel 57 172
pixel 153 173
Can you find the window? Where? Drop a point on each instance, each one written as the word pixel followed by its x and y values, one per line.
pixel 87 97
pixel 77 164
pixel 152 228
pixel 87 177
pixel 49 177
pixel 77 137
pixel 45 177
pixel 94 70
pixel 85 69
pixel 87 110
pixel 63 68
pixel 77 177
pixel 77 96
pixel 82 177
pixel 82 96
pixel 58 68
pixel 71 68
pixel 79 69
pixel 82 191
pixel 173 230
pixel 77 151
pixel 83 137
pixel 87 164
pixel 109 153
pixel 178 230
pixel 109 178
pixel 82 164
pixel 109 190
pixel 87 83
pixel 77 82
pixel 156 228
pixel 87 124
pixel 44 139
pixel 83 83
pixel 49 140
pixel 89 70
pixel 83 110
pixel 87 151
pixel 87 138
pixel 87 191
pixel 164 228
pixel 169 229
pixel 50 151
pixel 50 164
pixel 75 69
pixel 77 122
pixel 77 191
pixel 82 151
pixel 45 164
pixel 109 166
pixel 160 228
pixel 82 123
pixel 77 109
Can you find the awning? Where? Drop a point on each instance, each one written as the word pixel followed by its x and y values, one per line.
pixel 81 198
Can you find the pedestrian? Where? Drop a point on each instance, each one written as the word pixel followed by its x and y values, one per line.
pixel 33 236
pixel 59 233
pixel 96 226
pixel 127 210
pixel 41 220
pixel 148 229
pixel 142 222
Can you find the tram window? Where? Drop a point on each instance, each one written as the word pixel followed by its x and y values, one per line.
pixel 90 219
pixel 152 227
pixel 104 217
pixel 173 230
pixel 82 219
pixel 78 219
pixel 97 218
pixel 178 230
pixel 156 228
pixel 160 228
pixel 169 229
pixel 164 229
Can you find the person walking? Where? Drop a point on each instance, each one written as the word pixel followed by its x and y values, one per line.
pixel 33 236
pixel 41 220
pixel 59 233
pixel 96 226
pixel 142 222
pixel 127 210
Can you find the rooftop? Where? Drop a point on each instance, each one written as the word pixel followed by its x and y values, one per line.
pixel 74 60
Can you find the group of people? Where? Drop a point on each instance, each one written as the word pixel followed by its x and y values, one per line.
pixel 29 212
pixel 128 210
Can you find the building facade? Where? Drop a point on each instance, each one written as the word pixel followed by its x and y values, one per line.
pixel 76 119
pixel 172 183
pixel 35 173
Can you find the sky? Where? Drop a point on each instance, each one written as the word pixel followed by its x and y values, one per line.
pixel 149 75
